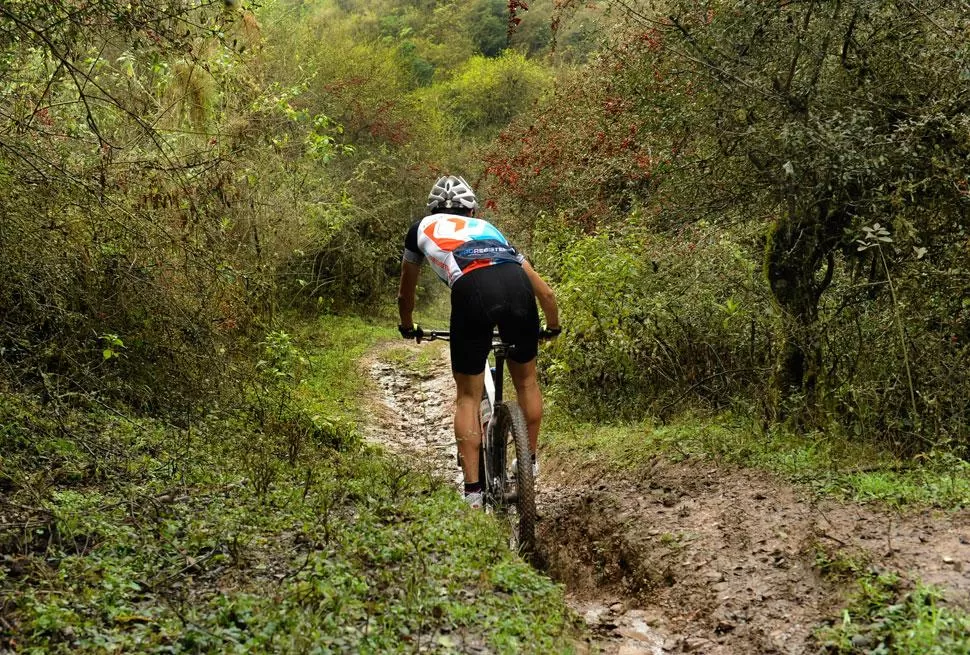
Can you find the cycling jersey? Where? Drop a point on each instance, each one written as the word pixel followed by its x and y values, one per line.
pixel 456 245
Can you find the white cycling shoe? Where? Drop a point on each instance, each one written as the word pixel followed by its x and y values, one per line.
pixel 475 500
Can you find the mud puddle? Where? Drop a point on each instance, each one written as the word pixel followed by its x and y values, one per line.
pixel 685 557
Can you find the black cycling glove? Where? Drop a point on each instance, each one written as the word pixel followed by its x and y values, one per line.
pixel 413 332
pixel 549 333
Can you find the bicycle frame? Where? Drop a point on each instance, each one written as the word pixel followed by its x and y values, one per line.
pixel 493 382
pixel 495 375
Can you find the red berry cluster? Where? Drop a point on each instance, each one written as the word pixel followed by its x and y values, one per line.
pixel 515 6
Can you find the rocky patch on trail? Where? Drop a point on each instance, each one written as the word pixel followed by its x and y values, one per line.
pixel 686 557
pixel 414 416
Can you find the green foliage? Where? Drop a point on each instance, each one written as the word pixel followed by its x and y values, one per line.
pixel 132 264
pixel 355 208
pixel 586 153
pixel 826 462
pixel 490 18
pixel 787 130
pixel 939 479
pixel 173 178
pixel 175 175
pixel 486 93
pixel 335 345
pixel 168 540
pixel 884 618
pixel 562 31
pixel 373 562
pixel 652 321
pixel 841 565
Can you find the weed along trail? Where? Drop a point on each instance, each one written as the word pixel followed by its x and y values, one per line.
pixel 688 556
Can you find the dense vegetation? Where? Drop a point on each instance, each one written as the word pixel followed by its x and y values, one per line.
pixel 135 536
pixel 173 175
pixel 748 209
pixel 761 207
pixel 182 185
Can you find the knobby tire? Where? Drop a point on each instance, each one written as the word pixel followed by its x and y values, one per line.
pixel 510 431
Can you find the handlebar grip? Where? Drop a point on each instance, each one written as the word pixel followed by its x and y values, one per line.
pixel 419 334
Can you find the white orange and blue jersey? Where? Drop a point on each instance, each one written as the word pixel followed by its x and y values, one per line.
pixel 456 245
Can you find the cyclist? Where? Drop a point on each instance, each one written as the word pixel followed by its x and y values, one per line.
pixel 492 285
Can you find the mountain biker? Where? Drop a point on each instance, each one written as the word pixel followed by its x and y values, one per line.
pixel 492 285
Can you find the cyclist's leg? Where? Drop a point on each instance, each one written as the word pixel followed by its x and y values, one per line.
pixel 468 428
pixel 471 338
pixel 529 396
pixel 518 323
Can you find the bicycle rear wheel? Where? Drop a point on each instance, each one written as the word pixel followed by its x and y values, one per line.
pixel 514 489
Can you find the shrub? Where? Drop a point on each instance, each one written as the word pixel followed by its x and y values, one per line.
pixel 485 94
pixel 652 321
pixel 833 141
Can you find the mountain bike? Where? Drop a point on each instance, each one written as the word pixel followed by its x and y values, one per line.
pixel 504 458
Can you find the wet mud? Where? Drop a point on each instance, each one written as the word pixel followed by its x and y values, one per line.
pixel 685 557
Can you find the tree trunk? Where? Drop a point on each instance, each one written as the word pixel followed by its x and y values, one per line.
pixel 793 256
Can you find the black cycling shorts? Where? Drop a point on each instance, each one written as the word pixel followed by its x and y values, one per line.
pixel 498 295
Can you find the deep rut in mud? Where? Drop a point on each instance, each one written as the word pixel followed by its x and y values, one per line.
pixel 685 557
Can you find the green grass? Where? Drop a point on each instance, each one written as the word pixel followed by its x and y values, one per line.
pixel 883 617
pixel 333 384
pixel 425 362
pixel 830 464
pixel 434 302
pixel 134 536
pixel 841 565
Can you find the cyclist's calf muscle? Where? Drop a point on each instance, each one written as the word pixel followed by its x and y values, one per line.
pixel 468 429
pixel 529 397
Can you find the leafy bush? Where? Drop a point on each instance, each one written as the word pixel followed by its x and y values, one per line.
pixel 166 198
pixel 122 273
pixel 831 143
pixel 651 322
pixel 485 94
pixel 354 208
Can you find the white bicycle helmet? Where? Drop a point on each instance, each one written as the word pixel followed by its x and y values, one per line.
pixel 451 192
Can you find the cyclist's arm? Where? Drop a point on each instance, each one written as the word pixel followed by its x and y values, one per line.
pixel 410 268
pixel 545 296
pixel 406 291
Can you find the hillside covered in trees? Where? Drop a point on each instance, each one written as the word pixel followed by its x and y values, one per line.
pixel 754 214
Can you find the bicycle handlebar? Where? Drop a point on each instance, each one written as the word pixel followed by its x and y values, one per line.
pixel 445 335
pixel 432 335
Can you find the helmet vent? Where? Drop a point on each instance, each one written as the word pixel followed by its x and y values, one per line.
pixel 451 192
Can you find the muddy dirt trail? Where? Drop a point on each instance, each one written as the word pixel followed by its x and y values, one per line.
pixel 686 557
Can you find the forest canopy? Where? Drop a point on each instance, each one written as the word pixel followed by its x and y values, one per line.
pixel 751 207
